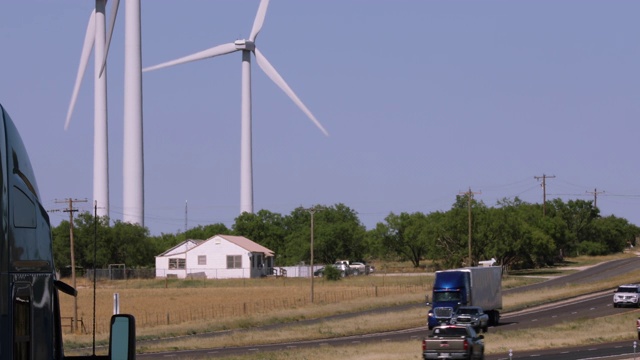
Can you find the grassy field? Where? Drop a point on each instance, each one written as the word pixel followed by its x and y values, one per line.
pixel 165 309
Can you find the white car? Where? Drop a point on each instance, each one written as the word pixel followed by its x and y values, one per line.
pixel 627 295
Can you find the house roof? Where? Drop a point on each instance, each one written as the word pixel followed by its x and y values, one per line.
pixel 183 247
pixel 246 244
pixel 240 241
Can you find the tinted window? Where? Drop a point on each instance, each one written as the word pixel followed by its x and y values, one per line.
pixel 24 210
pixel 627 289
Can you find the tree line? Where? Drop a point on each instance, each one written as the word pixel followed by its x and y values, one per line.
pixel 515 233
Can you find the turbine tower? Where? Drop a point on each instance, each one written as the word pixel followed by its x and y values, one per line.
pixel 247 46
pixel 133 155
pixel 95 38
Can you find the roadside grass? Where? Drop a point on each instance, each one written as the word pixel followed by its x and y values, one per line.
pixel 150 296
pixel 613 328
pixel 618 327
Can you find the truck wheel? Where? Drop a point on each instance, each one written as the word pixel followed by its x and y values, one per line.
pixel 356 272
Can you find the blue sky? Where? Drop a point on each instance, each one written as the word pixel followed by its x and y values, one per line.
pixel 423 100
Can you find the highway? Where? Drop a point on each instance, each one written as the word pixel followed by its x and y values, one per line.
pixel 595 305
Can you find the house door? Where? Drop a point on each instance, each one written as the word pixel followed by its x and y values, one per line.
pixel 257 265
pixel 22 322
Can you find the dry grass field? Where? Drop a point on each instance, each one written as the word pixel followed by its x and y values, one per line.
pixel 177 307
pixel 165 309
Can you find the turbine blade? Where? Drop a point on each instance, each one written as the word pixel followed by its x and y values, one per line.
pixel 259 20
pixel 89 39
pixel 276 78
pixel 112 23
pixel 214 51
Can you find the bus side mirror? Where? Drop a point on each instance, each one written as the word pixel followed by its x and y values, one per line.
pixel 122 337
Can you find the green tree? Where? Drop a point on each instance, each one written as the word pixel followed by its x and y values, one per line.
pixel 405 234
pixel 578 215
pixel 613 234
pixel 131 245
pixel 204 232
pixel 265 227
pixel 338 233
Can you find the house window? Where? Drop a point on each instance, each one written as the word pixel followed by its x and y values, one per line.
pixel 177 264
pixel 202 259
pixel 234 261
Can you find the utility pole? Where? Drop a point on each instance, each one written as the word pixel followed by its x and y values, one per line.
pixel 71 210
pixel 544 191
pixel 469 195
pixel 311 211
pixel 595 194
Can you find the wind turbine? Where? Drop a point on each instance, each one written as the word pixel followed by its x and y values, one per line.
pixel 247 46
pixel 95 38
pixel 133 155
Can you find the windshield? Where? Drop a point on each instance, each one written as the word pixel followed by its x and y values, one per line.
pixel 467 311
pixel 627 289
pixel 446 296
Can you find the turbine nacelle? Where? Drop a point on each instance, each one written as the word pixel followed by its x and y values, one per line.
pixel 245 45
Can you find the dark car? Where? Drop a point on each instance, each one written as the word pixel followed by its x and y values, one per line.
pixel 319 272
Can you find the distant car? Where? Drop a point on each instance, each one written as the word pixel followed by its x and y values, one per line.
pixel 472 316
pixel 319 272
pixel 359 268
pixel 343 266
pixel 627 295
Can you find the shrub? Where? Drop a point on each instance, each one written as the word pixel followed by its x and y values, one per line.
pixel 331 273
pixel 592 248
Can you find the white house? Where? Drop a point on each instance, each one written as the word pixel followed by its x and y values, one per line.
pixel 219 257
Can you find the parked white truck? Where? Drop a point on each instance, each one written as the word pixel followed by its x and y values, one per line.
pixel 352 268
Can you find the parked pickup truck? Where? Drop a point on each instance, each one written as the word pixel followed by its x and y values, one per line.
pixel 453 342
pixel 359 268
pixel 471 316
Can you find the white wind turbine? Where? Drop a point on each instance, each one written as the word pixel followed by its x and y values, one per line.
pixel 133 154
pixel 247 46
pixel 95 38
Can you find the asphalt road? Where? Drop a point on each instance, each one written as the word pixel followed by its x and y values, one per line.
pixel 593 306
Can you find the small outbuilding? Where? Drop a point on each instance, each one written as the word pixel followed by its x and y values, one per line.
pixel 219 257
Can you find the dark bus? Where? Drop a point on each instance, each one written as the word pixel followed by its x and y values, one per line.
pixel 30 327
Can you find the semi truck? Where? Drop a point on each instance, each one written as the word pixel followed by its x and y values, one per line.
pixel 470 286
pixel 30 322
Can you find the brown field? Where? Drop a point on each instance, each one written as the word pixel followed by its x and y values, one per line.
pixel 215 304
